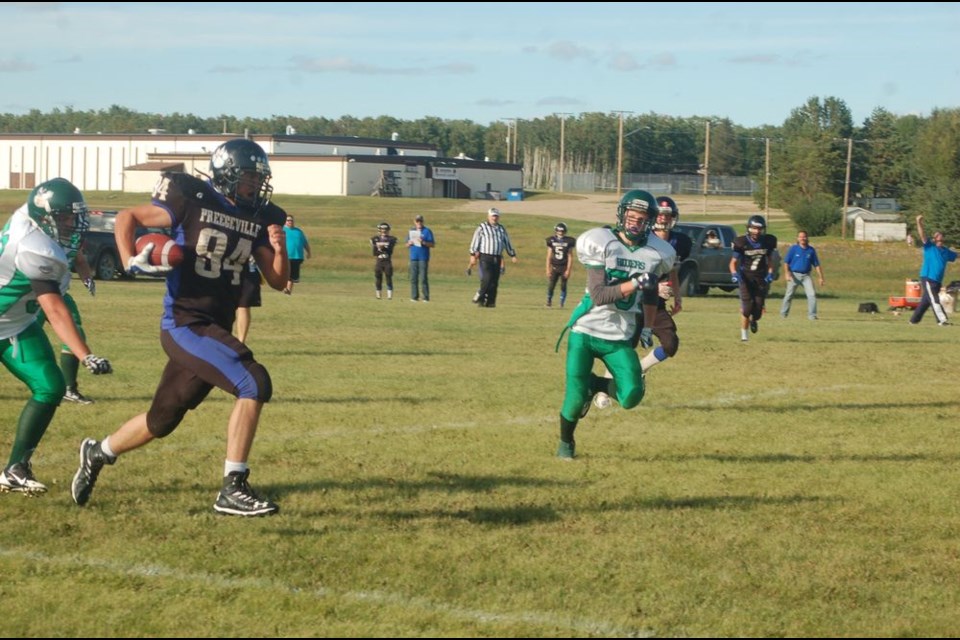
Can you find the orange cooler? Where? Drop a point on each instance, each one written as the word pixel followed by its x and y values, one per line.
pixel 913 289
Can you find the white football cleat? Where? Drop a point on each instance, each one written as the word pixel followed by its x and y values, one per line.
pixel 601 400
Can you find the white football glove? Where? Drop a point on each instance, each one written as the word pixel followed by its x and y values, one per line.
pixel 97 365
pixel 90 285
pixel 665 290
pixel 140 264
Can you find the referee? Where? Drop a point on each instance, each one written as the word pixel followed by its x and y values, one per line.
pixel 489 242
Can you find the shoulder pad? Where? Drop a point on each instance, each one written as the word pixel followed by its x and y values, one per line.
pixel 40 258
pixel 273 214
pixel 592 244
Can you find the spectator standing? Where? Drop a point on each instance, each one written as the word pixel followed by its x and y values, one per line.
pixel 298 249
pixel 489 242
pixel 801 259
pixel 935 258
pixel 420 240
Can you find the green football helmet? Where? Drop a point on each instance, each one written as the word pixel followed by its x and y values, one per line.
pixel 60 211
pixel 642 201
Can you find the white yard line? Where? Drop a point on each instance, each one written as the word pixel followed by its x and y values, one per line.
pixel 575 625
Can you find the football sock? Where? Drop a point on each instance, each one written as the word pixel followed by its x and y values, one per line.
pixel 107 451
pixel 34 419
pixel 229 467
pixel 653 358
pixel 566 429
pixel 69 365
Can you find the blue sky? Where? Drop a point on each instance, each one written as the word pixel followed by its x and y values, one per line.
pixel 481 61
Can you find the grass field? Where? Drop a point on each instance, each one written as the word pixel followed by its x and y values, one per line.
pixel 803 484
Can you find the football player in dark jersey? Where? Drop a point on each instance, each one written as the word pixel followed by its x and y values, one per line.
pixel 560 248
pixel 383 245
pixel 219 223
pixel 752 267
pixel 663 326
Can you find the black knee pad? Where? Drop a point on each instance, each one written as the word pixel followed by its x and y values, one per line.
pixel 671 345
pixel 162 421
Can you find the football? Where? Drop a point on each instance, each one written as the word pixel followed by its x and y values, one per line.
pixel 166 252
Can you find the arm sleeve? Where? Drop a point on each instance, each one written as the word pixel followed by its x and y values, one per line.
pixel 507 245
pixel 475 242
pixel 600 292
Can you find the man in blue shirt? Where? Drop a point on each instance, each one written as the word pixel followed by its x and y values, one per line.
pixel 420 240
pixel 801 259
pixel 935 259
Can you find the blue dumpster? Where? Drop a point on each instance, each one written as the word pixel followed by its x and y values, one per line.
pixel 515 194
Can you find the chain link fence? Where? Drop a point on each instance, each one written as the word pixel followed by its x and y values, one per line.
pixel 659 183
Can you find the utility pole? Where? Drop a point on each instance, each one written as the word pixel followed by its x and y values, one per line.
pixel 706 168
pixel 766 179
pixel 620 152
pixel 516 140
pixel 563 120
pixel 509 158
pixel 846 192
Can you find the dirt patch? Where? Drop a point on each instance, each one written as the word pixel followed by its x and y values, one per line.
pixel 602 207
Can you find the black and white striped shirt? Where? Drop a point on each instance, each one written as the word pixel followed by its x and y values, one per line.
pixel 492 240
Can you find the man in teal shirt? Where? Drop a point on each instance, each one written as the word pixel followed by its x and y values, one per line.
pixel 297 249
pixel 935 259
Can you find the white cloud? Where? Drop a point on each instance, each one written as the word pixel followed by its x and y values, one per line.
pixel 343 64
pixel 567 51
pixel 15 65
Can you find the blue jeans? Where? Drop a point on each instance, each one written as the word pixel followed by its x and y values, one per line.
pixel 800 280
pixel 418 271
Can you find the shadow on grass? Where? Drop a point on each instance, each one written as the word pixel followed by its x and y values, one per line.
pixel 778 458
pixel 725 405
pixel 498 516
pixel 710 502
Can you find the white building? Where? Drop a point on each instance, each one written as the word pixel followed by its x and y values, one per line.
pixel 876 227
pixel 302 165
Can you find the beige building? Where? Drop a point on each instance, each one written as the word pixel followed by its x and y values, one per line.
pixel 302 165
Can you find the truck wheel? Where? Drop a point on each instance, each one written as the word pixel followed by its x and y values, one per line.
pixel 107 266
pixel 690 282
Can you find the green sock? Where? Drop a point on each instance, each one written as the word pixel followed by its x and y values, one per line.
pixel 69 365
pixel 566 429
pixel 34 419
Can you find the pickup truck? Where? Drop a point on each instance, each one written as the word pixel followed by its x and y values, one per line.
pixel 709 261
pixel 100 245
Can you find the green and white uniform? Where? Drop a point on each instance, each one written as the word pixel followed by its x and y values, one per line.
pixel 604 330
pixel 26 254
pixel 30 263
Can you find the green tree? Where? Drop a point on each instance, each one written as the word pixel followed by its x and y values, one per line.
pixel 810 159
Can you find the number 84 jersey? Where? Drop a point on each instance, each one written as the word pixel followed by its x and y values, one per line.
pixel 217 239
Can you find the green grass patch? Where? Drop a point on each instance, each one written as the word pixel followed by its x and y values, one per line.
pixel 802 484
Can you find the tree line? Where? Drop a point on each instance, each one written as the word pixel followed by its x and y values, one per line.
pixel 915 159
